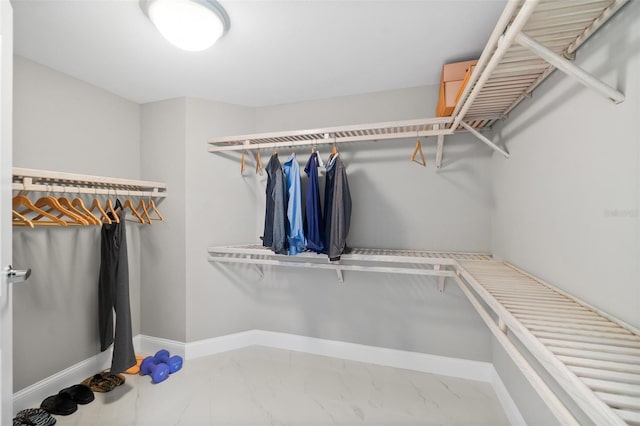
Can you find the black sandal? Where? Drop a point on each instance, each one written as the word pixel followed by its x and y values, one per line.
pixel 34 417
pixel 79 394
pixel 59 404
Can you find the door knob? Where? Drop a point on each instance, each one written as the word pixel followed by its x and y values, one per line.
pixel 17 275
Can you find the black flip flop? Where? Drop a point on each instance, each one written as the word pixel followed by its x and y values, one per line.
pixel 34 417
pixel 79 394
pixel 59 404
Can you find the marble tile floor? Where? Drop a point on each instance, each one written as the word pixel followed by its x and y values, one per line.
pixel 266 386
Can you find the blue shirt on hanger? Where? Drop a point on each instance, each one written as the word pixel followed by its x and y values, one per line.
pixel 297 241
pixel 314 225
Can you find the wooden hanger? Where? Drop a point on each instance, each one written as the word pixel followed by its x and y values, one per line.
pixel 111 210
pixel 103 214
pixel 152 205
pixel 334 150
pixel 145 213
pixel 20 220
pixel 242 164
pixel 129 205
pixel 64 202
pixel 23 206
pixel 259 166
pixel 79 205
pixel 52 206
pixel 417 150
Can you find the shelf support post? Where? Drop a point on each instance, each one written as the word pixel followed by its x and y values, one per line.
pixel 484 139
pixel 441 279
pixel 570 68
pixel 440 147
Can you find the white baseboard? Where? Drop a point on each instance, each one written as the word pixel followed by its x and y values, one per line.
pixel 508 404
pixel 216 345
pixel 435 364
pixel 149 345
pixel 446 366
pixel 31 396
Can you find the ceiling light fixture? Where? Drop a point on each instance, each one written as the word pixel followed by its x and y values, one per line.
pixel 191 25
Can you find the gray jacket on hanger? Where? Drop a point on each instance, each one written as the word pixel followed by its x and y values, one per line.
pixel 275 218
pixel 337 208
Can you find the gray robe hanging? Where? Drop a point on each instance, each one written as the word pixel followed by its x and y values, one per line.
pixel 113 295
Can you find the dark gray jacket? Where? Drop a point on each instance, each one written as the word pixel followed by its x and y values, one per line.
pixel 275 218
pixel 337 208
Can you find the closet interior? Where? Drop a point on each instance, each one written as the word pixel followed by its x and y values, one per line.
pixel 591 355
pixel 581 361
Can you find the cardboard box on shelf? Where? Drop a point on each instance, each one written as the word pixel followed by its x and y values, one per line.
pixel 452 83
pixel 456 71
pixel 448 94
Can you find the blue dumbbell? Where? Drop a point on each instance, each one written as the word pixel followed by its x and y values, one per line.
pixel 158 371
pixel 174 362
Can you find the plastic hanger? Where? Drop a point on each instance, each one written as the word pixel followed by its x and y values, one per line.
pixel 318 156
pixel 152 205
pixel 418 149
pixel 145 213
pixel 20 220
pixel 52 206
pixel 23 206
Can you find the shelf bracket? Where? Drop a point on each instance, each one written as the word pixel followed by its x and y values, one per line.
pixel 570 68
pixel 259 270
pixel 441 279
pixel 501 325
pixel 484 139
pixel 439 148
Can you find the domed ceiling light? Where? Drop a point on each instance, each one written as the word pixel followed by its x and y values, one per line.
pixel 191 25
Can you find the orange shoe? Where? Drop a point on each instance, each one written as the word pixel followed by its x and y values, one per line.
pixel 136 368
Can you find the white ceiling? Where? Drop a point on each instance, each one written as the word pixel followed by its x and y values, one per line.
pixel 275 52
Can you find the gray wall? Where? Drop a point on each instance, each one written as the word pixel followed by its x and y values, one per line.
pixel 567 201
pixel 397 204
pixel 531 406
pixel 401 104
pixel 63 124
pixel 163 258
pixel 220 210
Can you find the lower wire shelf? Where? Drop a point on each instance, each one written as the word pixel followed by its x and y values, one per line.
pixel 407 262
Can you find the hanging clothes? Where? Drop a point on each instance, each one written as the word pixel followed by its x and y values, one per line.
pixel 313 222
pixel 275 218
pixel 113 295
pixel 337 208
pixel 295 236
